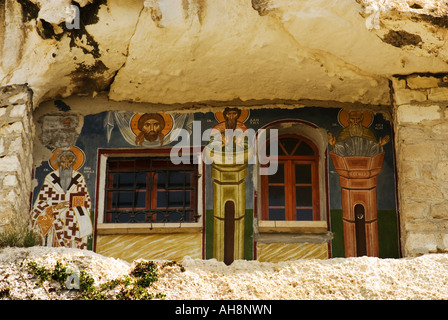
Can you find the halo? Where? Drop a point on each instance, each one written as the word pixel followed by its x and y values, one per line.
pixel 168 123
pixel 366 122
pixel 243 117
pixel 80 158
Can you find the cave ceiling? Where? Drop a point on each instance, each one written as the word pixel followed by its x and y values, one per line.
pixel 210 51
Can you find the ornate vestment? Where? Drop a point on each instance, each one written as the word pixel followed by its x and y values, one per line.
pixel 364 145
pixel 69 226
pixel 237 135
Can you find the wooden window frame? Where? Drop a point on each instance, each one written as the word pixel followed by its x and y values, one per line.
pixel 152 168
pixel 102 228
pixel 289 182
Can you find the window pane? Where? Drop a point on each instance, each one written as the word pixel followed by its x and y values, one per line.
pixel 303 173
pixel 304 196
pixel 161 179
pixel 174 216
pixel 179 179
pixel 141 180
pixel 276 214
pixel 123 180
pixel 304 214
pixel 140 217
pixel 276 196
pixel 172 199
pixel 120 217
pixel 140 200
pixel 163 216
pixel 175 179
pixel 304 150
pixel 279 176
pixel 289 144
pixel 189 215
pixel 162 199
pixel 280 151
pixel 121 200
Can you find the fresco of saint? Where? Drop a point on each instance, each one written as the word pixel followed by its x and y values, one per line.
pixel 61 213
pixel 356 139
pixel 231 119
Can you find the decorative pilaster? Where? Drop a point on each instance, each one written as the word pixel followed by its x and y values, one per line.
pixel 228 186
pixel 358 180
pixel 229 171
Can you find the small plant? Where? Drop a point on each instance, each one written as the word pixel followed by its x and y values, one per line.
pixel 30 239
pixel 134 293
pixel 42 273
pixel 146 273
pixel 18 234
pixel 143 275
pixel 131 287
pixel 174 263
pixel 87 288
pixel 4 293
pixel 59 274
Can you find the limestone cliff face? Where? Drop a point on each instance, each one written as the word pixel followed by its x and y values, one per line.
pixel 181 51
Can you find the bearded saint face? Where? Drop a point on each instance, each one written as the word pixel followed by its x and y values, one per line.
pixel 231 118
pixel 355 124
pixel 150 126
pixel 151 129
pixel 65 171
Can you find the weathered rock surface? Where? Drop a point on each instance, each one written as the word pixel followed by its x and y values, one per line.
pixel 363 278
pixel 182 51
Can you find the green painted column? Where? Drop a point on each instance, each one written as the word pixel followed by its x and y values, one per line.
pixel 228 171
pixel 228 185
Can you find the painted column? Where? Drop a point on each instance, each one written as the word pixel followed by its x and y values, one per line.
pixel 228 185
pixel 229 171
pixel 358 179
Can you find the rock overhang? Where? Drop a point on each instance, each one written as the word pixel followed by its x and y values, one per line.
pixel 187 51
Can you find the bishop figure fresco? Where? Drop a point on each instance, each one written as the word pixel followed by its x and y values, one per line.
pixel 61 213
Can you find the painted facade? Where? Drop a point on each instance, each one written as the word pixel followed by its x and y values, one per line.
pixel 333 193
